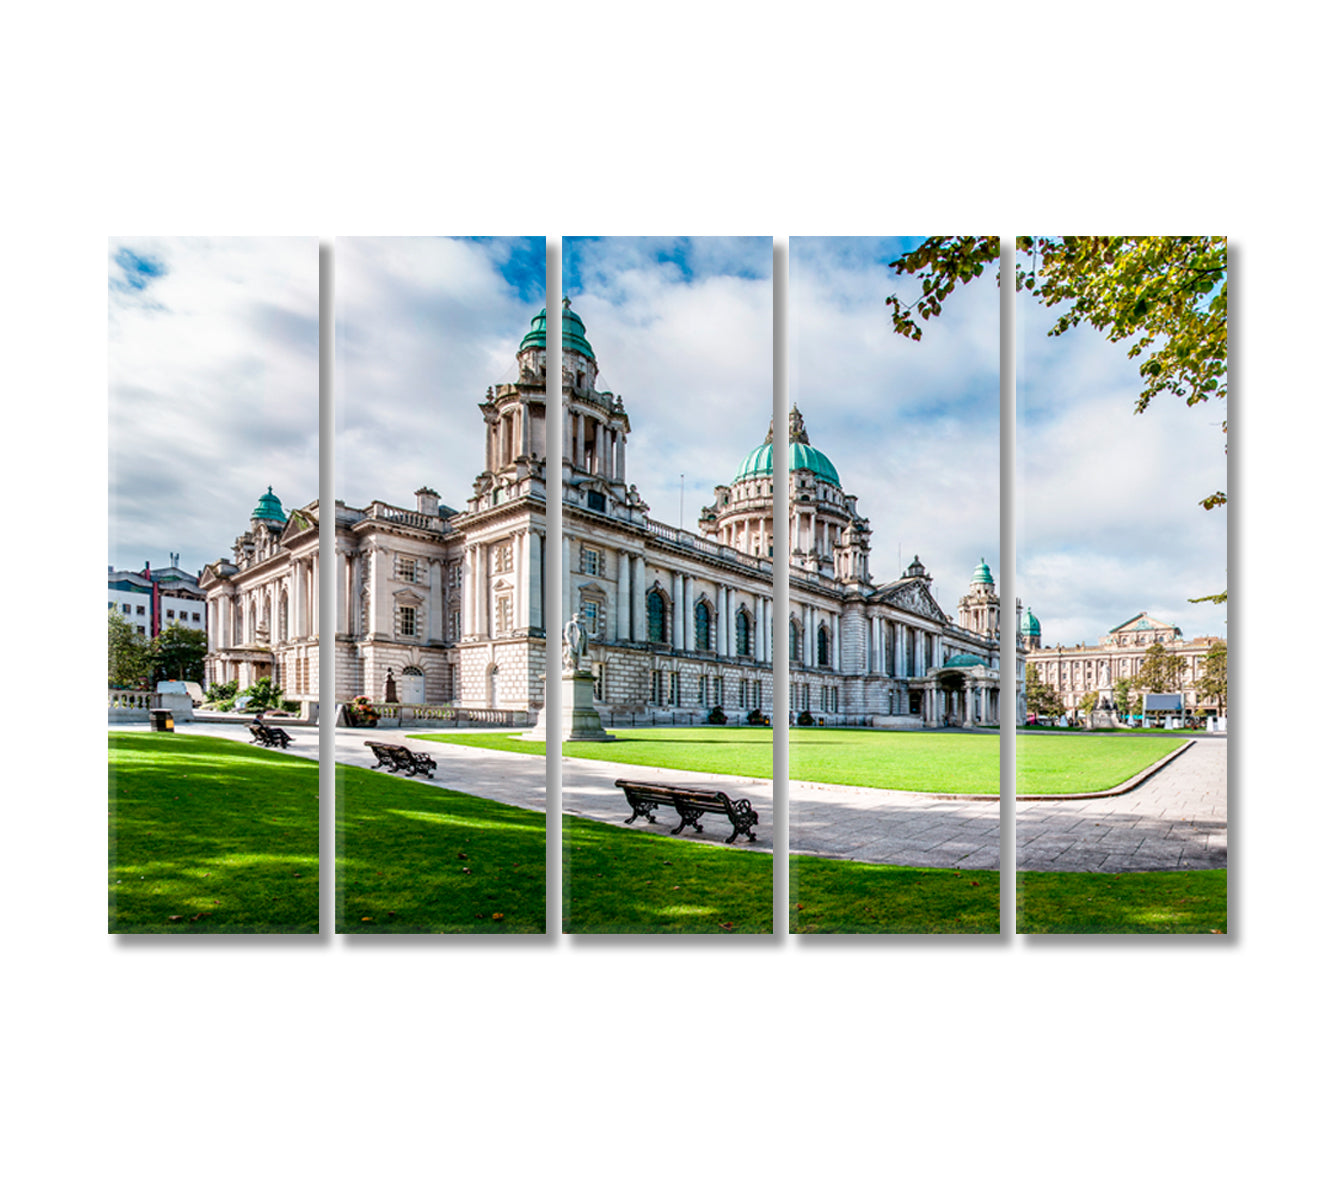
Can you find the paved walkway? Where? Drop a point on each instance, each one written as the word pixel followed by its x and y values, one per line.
pixel 1174 820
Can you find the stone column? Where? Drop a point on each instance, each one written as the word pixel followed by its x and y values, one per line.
pixel 520 579
pixel 314 596
pixel 727 635
pixel 638 613
pixel 536 616
pixel 623 597
pixel 469 572
pixel 435 611
pixel 688 612
pixel 566 581
pixel 836 631
pixel 579 441
pixel 678 611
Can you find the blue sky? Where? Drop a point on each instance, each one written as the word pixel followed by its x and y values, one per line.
pixel 213 348
pixel 423 326
pixel 1108 516
pixel 683 332
pixel 911 427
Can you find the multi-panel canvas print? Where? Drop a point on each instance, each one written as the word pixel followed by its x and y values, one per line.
pixel 213 674
pixel 667 585
pixel 1122 553
pixel 439 624
pixel 893 621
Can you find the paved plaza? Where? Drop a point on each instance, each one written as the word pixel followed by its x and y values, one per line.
pixel 1176 819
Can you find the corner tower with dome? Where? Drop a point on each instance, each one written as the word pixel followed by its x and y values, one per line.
pixel 438 605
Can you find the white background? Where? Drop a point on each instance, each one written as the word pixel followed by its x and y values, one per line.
pixel 1182 1066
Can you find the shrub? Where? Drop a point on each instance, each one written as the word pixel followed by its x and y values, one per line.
pixel 805 718
pixel 716 715
pixel 755 717
pixel 262 695
pixel 221 691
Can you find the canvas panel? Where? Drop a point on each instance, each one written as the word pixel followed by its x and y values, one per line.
pixel 1122 755
pixel 214 481
pixel 667 585
pixel 893 625
pixel 440 630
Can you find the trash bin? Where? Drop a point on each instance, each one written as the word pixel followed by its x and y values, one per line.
pixel 160 720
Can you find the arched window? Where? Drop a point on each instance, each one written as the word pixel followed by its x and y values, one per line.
pixel 703 626
pixel 794 641
pixel 743 633
pixel 822 645
pixel 656 610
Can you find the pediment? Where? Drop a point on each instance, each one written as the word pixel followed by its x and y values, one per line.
pixel 912 596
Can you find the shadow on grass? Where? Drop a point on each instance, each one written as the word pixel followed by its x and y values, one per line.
pixel 211 836
pixel 1133 902
pixel 834 896
pixel 620 880
pixel 413 858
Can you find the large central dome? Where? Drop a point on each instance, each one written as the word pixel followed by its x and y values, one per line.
pixel 801 455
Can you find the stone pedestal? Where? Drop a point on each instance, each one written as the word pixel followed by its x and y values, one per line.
pixel 579 719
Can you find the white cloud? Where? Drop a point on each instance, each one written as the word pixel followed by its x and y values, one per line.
pixel 214 390
pixel 1109 521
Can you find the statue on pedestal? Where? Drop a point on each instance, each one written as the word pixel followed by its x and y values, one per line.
pixel 574 643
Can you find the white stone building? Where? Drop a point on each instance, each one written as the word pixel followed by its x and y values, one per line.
pixel 450 602
pixel 1074 671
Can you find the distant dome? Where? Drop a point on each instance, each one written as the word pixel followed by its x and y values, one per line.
pixel 1030 626
pixel 269 508
pixel 965 660
pixel 573 336
pixel 982 573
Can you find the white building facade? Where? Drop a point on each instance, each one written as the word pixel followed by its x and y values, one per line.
pixel 436 605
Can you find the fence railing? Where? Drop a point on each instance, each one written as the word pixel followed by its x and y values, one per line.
pixel 448 714
pixel 118 699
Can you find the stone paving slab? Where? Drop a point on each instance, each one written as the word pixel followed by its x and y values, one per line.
pixel 1176 819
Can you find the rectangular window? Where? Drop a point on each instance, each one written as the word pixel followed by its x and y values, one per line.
pixel 455 624
pixel 406 568
pixel 456 575
pixel 125 608
pixel 503 614
pixel 674 697
pixel 592 561
pixel 703 690
pixel 502 557
pixel 141 629
pixel 138 610
pixel 195 618
pixel 406 620
pixel 655 689
pixel 592 612
pixel 171 612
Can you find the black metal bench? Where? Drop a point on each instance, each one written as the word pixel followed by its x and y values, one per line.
pixel 690 804
pixel 270 735
pixel 400 758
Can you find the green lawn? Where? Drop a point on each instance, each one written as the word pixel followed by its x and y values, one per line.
pixel 620 880
pixel 211 836
pixel 900 761
pixel 413 858
pixel 832 896
pixel 1134 902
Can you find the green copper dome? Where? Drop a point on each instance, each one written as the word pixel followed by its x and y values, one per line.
pixel 573 336
pixel 802 456
pixel 269 508
pixel 1030 626
pixel 982 573
pixel 965 660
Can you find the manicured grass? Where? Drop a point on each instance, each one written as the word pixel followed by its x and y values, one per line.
pixel 413 858
pixel 967 763
pixel 1046 766
pixel 1134 902
pixel 620 880
pixel 211 836
pixel 832 896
